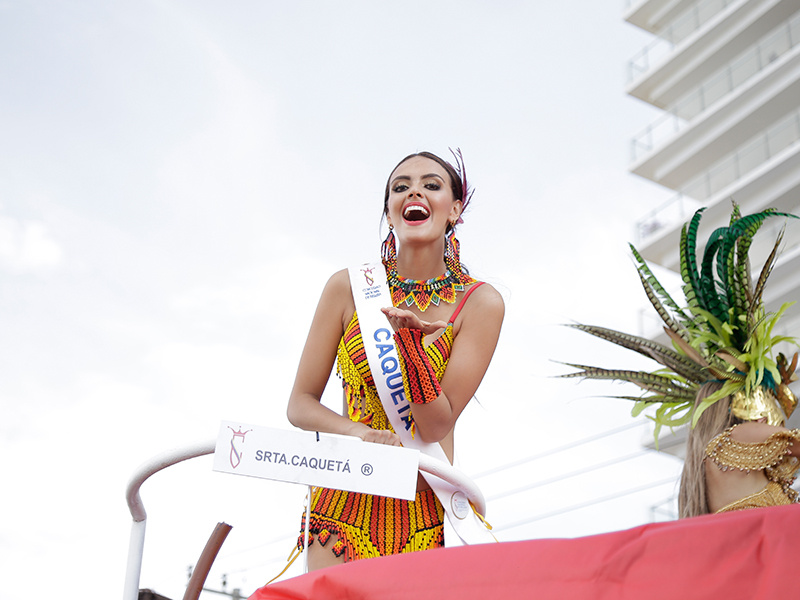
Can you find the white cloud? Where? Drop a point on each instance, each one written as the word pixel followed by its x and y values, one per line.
pixel 27 246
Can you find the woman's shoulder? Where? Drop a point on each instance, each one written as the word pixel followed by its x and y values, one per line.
pixel 484 305
pixel 337 293
pixel 340 279
pixel 752 432
pixel 485 296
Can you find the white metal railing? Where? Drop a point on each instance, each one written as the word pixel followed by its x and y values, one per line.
pixel 138 513
pixel 166 459
pixel 725 81
pixel 775 139
pixel 674 210
pixel 683 26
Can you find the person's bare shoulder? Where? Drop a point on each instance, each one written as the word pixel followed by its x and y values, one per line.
pixel 486 298
pixel 752 432
pixel 339 282
pixel 483 311
pixel 337 298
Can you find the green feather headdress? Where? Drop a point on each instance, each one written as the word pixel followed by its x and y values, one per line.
pixel 721 333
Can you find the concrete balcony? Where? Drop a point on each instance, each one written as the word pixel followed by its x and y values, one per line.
pixel 738 72
pixel 656 15
pixel 664 80
pixel 774 184
pixel 764 99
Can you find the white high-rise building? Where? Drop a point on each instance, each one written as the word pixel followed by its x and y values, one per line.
pixel 726 74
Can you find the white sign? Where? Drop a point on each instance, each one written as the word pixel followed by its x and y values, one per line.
pixel 310 458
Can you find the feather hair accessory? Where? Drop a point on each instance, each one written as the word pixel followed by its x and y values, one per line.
pixel 466 192
pixel 721 333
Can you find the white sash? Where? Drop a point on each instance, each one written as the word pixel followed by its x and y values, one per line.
pixel 371 293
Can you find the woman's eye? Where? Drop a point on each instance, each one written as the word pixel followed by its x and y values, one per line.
pixel 433 186
pixel 402 187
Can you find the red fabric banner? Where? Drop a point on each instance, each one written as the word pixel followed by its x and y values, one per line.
pixel 747 554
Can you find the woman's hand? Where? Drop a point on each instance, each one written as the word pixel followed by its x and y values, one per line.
pixel 400 318
pixel 375 436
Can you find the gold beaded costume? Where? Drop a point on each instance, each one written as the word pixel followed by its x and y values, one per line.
pixel 769 456
pixel 721 335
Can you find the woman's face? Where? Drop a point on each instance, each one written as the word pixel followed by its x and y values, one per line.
pixel 421 201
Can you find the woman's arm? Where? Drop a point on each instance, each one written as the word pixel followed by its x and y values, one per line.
pixel 305 409
pixel 477 331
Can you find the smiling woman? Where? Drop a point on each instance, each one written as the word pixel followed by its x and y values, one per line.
pixel 442 346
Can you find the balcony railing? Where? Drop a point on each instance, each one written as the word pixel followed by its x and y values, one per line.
pixel 725 81
pixel 683 26
pixel 775 139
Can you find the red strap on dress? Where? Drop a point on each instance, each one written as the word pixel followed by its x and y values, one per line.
pixel 463 300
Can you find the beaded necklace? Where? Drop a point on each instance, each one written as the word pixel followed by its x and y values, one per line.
pixel 427 292
pixel 430 291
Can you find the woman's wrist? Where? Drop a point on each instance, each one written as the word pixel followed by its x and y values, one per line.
pixel 419 377
pixel 355 429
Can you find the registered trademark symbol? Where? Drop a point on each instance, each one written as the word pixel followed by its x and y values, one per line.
pixel 366 469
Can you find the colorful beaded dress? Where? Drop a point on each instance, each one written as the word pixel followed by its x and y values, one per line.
pixel 369 526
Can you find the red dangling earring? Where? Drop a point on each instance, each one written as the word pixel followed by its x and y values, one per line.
pixel 389 252
pixel 451 255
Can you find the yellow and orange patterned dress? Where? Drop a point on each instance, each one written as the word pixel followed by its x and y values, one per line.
pixel 368 526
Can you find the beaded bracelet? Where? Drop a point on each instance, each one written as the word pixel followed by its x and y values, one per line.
pixel 419 377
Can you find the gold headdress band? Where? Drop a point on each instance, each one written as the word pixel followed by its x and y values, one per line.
pixel 722 333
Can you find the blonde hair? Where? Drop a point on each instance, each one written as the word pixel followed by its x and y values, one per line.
pixel 692 500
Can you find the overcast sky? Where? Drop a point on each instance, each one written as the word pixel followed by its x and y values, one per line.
pixel 179 178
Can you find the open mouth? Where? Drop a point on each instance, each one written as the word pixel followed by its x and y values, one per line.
pixel 415 213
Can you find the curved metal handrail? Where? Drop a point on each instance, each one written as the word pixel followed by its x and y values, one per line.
pixel 161 461
pixel 156 464
pixel 136 546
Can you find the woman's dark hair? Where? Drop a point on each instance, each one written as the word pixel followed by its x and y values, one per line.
pixel 456 185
